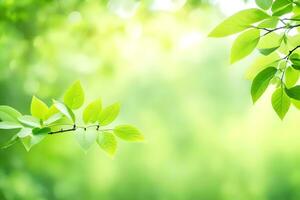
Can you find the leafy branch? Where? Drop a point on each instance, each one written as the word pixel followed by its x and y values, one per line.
pixel 268 29
pixel 62 117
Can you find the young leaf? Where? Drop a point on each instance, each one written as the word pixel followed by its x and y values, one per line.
pixel 9 114
pixel 295 59
pixel 53 118
pixel 24 132
pixel 38 108
pixel 107 142
pixel 65 110
pixel 264 4
pixel 293 92
pixel 261 82
pixel 238 22
pixel 74 96
pixel 52 111
pixel 92 111
pixel 280 102
pixel 29 121
pixel 85 138
pixel 291 77
pixel 41 131
pixel 269 23
pixel 109 114
pixel 10 125
pixel 269 43
pixel 281 7
pixel 128 133
pixel 31 140
pixel 244 44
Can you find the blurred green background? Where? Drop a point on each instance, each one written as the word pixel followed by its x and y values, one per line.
pixel 204 138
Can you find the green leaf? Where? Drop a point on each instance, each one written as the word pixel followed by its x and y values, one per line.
pixel 9 114
pixel 280 102
pixel 31 140
pixel 85 138
pixel 74 96
pixel 295 59
pixel 12 141
pixel 261 82
pixel 296 103
pixel 293 92
pixel 107 142
pixel 291 77
pixel 29 121
pixel 238 22
pixel 65 110
pixel 244 44
pixel 53 118
pixel 41 131
pixel 261 63
pixel 269 23
pixel 281 7
pixel 38 108
pixel 24 132
pixel 128 133
pixel 264 4
pixel 52 111
pixel 10 125
pixel 109 114
pixel 269 43
pixel 92 111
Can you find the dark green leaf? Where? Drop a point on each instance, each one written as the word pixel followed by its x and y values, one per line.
pixel 293 92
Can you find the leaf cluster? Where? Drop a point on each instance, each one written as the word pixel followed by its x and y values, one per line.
pixel 272 29
pixel 89 125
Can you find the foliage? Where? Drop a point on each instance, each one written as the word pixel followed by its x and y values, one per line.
pixel 61 117
pixel 272 29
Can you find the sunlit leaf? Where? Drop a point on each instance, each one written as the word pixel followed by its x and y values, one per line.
pixel 280 102
pixel 65 110
pixel 291 77
pixel 281 7
pixel 74 96
pixel 85 138
pixel 8 113
pixel 29 121
pixel 53 118
pixel 128 133
pixel 10 125
pixel 269 23
pixel 92 111
pixel 261 82
pixel 264 4
pixel 38 108
pixel 24 132
pixel 107 142
pixel 109 114
pixel 31 140
pixel 238 22
pixel 244 44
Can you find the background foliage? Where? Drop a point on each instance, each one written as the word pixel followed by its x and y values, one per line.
pixel 205 140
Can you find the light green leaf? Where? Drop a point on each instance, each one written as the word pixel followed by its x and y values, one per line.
pixel 41 131
pixel 65 110
pixel 280 102
pixel 8 113
pixel 293 92
pixel 107 142
pixel 52 111
pixel 31 140
pixel 24 132
pixel 128 133
pixel 281 7
pixel 296 103
pixel 261 63
pixel 244 44
pixel 53 118
pixel 295 59
pixel 29 121
pixel 38 108
pixel 264 4
pixel 10 125
pixel 261 82
pixel 291 77
pixel 238 22
pixel 74 96
pixel 109 114
pixel 92 111
pixel 269 43
pixel 85 138
pixel 269 23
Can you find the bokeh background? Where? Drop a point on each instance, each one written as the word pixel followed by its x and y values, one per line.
pixel 204 138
